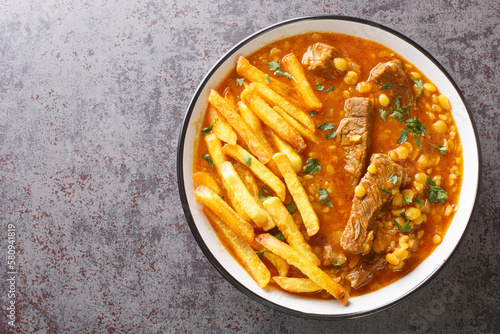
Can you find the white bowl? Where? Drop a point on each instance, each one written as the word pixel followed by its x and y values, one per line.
pixel 297 305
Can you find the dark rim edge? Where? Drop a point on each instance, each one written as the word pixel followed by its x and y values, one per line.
pixel 187 211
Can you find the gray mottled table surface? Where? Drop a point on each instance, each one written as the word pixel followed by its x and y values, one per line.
pixel 92 97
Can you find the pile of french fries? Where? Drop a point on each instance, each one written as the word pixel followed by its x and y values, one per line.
pixel 274 160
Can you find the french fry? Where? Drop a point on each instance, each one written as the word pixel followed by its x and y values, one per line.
pixel 260 170
pixel 272 119
pixel 285 148
pixel 205 179
pixel 214 147
pixel 253 74
pixel 298 285
pixel 297 260
pixel 274 99
pixel 287 226
pixel 254 123
pixel 281 265
pixel 305 90
pixel 230 98
pixel 243 196
pixel 249 180
pixel 241 249
pixel 215 203
pixel 299 195
pixel 301 129
pixel 239 125
pixel 221 127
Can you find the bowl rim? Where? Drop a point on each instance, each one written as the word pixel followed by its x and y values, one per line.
pixel 182 189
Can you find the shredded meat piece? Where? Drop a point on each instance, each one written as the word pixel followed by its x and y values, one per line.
pixel 364 272
pixel 319 58
pixel 392 72
pixel 378 191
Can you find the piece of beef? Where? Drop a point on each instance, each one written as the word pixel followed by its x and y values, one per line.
pixel 392 72
pixel 364 272
pixel 379 186
pixel 319 59
pixel 354 136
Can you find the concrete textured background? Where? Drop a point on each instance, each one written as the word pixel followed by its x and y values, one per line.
pixel 92 97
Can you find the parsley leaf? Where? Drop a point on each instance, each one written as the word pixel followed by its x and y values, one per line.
pixel 319 86
pixel 406 200
pixel 385 86
pixel 260 253
pixel 239 81
pixel 338 266
pixel 329 89
pixel 311 166
pixel 275 66
pixel 277 235
pixel 291 207
pixel 267 78
pixel 417 128
pixel 323 193
pixel 403 136
pixel 327 203
pixel 418 200
pixel 441 149
pixel 406 228
pixel 436 193
pixel 393 178
pixel 208 129
pixel 383 113
pixel 264 190
pixel 261 197
pixel 328 126
pixel 312 112
pixel 420 85
pixel 385 191
pixel 208 159
pixel 247 160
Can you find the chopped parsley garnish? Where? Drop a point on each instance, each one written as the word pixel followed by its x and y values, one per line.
pixel 277 235
pixel 328 126
pixel 420 85
pixel 403 136
pixel 385 191
pixel 417 128
pixel 398 112
pixel 311 166
pixel 264 190
pixel 386 86
pixel 383 113
pixel 436 193
pixel 338 266
pixel 393 178
pixel 260 253
pixel 319 86
pixel 275 66
pixel 418 200
pixel 441 149
pixel 312 112
pixel 239 81
pixel 221 197
pixel 377 155
pixel 208 159
pixel 261 197
pixel 329 89
pixel 406 200
pixel 247 160
pixel 208 129
pixel 267 78
pixel 291 207
pixel 406 228
pixel 323 197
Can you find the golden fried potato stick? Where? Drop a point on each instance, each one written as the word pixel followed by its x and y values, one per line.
pixel 254 123
pixel 241 249
pixel 259 169
pixel 221 127
pixel 253 74
pixel 305 90
pixel 283 147
pixel 302 130
pixel 281 265
pixel 299 195
pixel 214 147
pixel 287 226
pixel 274 99
pixel 215 203
pixel 297 260
pixel 295 284
pixel 272 119
pixel 243 196
pixel 239 125
pixel 205 179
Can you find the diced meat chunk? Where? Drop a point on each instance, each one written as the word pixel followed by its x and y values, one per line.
pixel 392 73
pixel 354 136
pixel 319 58
pixel 364 271
pixel 378 186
